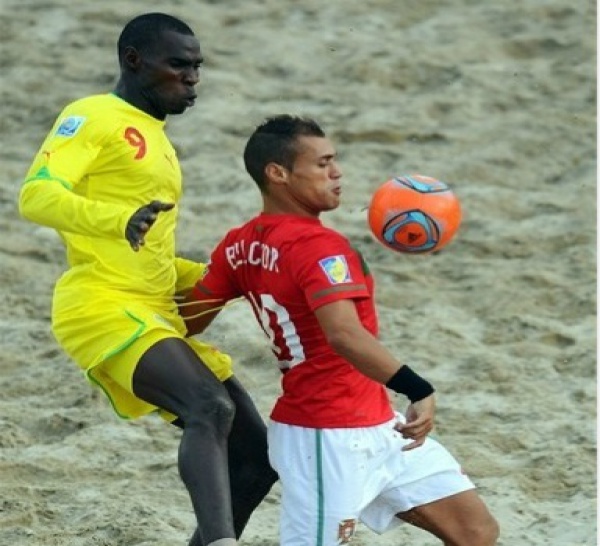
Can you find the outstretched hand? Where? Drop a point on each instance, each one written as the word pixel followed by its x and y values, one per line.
pixel 142 220
pixel 419 422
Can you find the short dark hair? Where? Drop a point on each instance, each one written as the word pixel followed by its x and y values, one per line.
pixel 275 141
pixel 145 30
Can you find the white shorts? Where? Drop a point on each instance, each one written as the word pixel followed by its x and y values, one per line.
pixel 333 477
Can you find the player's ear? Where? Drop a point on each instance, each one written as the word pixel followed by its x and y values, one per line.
pixel 131 58
pixel 276 174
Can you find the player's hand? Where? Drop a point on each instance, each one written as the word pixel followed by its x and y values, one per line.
pixel 142 220
pixel 419 422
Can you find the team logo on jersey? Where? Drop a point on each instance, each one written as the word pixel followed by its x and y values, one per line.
pixel 69 126
pixel 336 268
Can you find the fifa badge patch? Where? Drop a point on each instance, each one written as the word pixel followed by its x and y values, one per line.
pixel 69 126
pixel 346 530
pixel 336 268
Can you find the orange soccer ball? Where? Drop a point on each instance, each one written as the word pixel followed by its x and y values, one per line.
pixel 414 214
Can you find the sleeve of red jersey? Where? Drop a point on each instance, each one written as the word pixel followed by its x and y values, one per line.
pixel 328 269
pixel 216 282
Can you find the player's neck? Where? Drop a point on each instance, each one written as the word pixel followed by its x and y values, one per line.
pixel 274 206
pixel 131 94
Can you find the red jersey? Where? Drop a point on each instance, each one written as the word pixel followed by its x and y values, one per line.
pixel 287 266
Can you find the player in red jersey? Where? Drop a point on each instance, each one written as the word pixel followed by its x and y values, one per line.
pixel 341 451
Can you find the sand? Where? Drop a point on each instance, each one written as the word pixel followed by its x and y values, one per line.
pixel 496 98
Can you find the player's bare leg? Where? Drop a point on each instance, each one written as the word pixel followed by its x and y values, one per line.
pixel 170 376
pixel 250 473
pixel 459 520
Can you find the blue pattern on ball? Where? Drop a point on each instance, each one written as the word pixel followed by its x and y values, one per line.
pixel 428 225
pixel 423 187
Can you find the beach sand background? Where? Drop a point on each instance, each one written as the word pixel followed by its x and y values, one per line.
pixel 496 98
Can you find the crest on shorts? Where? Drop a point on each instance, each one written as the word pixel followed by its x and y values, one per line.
pixel 69 126
pixel 336 268
pixel 346 529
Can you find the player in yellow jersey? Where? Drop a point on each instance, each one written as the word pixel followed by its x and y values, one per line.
pixel 108 180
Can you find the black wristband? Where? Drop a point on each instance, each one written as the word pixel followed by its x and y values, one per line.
pixel 411 384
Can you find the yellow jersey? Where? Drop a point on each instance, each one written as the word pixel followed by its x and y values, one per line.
pixel 102 160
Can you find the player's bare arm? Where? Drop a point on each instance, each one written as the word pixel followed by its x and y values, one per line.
pixel 198 314
pixel 347 336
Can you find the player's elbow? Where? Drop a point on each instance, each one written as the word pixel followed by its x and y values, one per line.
pixel 341 340
pixel 33 203
pixel 26 203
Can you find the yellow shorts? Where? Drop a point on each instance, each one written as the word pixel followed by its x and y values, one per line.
pixel 106 338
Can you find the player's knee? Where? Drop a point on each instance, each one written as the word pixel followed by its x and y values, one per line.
pixel 213 412
pixel 492 531
pixel 481 533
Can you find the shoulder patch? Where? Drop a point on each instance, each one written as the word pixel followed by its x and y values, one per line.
pixel 336 268
pixel 69 126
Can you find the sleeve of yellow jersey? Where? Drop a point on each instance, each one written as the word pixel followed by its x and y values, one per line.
pixel 47 196
pixel 188 274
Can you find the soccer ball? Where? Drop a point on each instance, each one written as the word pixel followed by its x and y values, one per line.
pixel 414 214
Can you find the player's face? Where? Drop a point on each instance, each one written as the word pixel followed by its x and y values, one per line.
pixel 314 180
pixel 169 74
